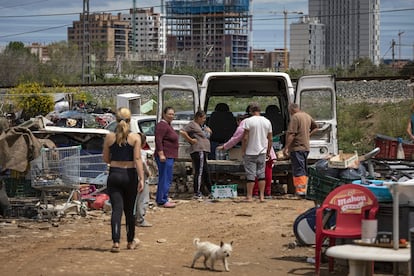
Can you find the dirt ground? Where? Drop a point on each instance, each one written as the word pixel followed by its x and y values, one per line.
pixel 262 235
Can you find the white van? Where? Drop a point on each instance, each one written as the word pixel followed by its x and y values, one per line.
pixel 315 95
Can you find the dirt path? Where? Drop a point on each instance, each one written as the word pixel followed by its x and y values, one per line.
pixel 261 233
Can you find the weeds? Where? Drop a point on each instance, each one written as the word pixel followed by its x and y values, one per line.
pixel 359 123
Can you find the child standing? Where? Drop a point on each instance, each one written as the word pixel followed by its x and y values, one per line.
pixel 142 201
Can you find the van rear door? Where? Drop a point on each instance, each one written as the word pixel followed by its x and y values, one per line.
pixel 315 94
pixel 181 93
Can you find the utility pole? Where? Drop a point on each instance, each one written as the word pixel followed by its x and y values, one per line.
pixel 399 44
pixel 285 55
pixel 393 53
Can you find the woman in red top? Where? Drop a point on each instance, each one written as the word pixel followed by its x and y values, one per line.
pixel 166 150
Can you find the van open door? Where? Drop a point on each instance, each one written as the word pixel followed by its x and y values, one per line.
pixel 316 95
pixel 181 93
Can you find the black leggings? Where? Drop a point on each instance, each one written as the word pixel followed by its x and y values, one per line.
pixel 122 189
pixel 202 180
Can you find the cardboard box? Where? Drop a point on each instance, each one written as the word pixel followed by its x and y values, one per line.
pixel 235 154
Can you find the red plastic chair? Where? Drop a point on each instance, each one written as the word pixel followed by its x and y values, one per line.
pixel 350 203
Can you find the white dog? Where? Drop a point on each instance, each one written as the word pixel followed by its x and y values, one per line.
pixel 212 252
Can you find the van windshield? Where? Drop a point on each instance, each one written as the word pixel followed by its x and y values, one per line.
pixel 182 101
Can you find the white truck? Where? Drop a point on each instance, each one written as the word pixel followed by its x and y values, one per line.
pixel 315 94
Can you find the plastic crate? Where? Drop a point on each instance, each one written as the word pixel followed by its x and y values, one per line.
pixel 381 192
pixel 388 147
pixel 319 186
pixel 23 207
pixel 408 151
pixel 20 187
pixel 406 219
pixel 224 191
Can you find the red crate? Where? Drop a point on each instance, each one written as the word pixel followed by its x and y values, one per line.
pixel 408 151
pixel 388 147
pixel 383 145
pixel 392 153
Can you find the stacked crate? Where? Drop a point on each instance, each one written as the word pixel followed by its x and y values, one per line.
pixel 389 146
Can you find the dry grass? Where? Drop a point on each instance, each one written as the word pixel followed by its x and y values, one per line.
pixel 358 123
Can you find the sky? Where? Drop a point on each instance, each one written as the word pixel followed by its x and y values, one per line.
pixel 46 21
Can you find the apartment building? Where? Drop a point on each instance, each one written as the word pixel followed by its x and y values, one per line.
pixel 105 35
pixel 269 60
pixel 39 50
pixel 307 44
pixel 208 34
pixel 351 30
pixel 147 36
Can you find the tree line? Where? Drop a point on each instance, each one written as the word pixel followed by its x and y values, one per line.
pixel 64 67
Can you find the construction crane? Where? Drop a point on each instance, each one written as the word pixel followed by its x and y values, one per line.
pixel 285 18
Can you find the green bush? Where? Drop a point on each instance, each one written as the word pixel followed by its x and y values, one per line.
pixel 32 99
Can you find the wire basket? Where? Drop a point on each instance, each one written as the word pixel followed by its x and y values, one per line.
pixel 56 169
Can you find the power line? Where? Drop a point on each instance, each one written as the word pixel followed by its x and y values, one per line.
pixel 63 14
pixel 356 12
pixel 118 10
pixel 263 19
pixel 35 31
pixel 22 5
pixel 39 15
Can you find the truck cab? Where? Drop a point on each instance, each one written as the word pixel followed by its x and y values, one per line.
pixel 225 95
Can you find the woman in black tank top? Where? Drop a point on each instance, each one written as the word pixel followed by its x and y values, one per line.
pixel 122 151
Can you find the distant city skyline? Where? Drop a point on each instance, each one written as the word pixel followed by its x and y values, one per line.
pixel 46 21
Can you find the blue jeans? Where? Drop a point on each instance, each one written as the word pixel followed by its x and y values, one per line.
pixel 165 177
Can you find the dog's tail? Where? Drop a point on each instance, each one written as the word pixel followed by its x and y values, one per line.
pixel 196 241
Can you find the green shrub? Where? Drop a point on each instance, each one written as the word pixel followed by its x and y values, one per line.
pixel 32 99
pixel 359 123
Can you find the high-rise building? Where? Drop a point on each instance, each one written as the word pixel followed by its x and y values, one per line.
pixel 209 34
pixel 307 44
pixel 352 30
pixel 147 36
pixel 107 35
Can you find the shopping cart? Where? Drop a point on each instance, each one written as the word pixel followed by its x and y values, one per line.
pixel 93 172
pixel 57 169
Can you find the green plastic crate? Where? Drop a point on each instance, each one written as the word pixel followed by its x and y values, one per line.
pixel 319 186
pixel 20 187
